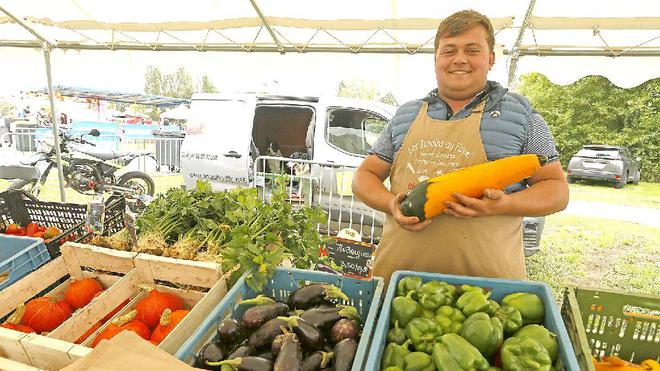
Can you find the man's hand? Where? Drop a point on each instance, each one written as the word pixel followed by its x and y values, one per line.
pixel 493 202
pixel 409 223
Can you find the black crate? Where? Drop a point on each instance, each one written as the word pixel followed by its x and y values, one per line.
pixel 22 208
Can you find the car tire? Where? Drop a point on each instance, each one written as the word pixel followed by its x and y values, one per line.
pixel 570 180
pixel 637 176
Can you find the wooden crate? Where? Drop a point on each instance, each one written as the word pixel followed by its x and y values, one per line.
pixel 124 275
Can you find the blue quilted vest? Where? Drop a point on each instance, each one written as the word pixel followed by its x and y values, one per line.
pixel 503 126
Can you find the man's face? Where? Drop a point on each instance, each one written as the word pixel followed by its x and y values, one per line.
pixel 462 63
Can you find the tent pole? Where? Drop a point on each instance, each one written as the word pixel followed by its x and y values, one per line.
pixel 56 137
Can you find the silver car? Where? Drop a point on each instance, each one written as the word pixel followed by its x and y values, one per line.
pixel 613 164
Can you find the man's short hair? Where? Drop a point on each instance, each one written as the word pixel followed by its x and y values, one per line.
pixel 462 21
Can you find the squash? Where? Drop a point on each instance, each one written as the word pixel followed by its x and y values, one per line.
pixel 168 321
pixel 427 199
pixel 151 308
pixel 81 292
pixel 14 321
pixel 126 322
pixel 45 314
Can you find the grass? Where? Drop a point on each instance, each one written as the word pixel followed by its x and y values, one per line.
pixel 599 253
pixel 643 194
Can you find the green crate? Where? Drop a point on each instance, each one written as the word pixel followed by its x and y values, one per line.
pixel 606 322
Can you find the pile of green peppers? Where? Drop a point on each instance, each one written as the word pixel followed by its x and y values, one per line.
pixel 439 326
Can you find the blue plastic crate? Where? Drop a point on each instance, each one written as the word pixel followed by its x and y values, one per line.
pixel 365 296
pixel 19 256
pixel 500 288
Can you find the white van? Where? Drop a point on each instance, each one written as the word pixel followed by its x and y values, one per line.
pixel 226 133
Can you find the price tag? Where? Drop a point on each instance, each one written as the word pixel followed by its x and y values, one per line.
pixel 354 257
pixel 95 215
pixel 129 223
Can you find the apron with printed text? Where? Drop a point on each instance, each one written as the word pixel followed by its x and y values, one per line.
pixel 489 246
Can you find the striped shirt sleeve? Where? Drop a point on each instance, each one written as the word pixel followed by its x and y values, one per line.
pixel 539 139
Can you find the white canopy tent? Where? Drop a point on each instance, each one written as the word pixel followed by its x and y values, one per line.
pixel 563 39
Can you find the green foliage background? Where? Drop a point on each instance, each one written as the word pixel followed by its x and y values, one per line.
pixel 594 111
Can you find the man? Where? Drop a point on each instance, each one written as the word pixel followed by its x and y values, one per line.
pixel 466 121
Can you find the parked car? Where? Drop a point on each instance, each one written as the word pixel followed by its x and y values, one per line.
pixel 613 164
pixel 227 133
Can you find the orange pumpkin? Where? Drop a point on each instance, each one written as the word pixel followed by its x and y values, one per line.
pixel 88 333
pixel 81 292
pixel 168 321
pixel 114 311
pixel 18 327
pixel 126 322
pixel 151 308
pixel 14 321
pixel 45 314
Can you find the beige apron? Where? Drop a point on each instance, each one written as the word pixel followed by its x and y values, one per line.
pixel 483 246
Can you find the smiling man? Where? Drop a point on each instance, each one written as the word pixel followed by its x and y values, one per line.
pixel 466 121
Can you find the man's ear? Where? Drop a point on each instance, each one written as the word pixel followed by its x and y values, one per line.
pixel 491 59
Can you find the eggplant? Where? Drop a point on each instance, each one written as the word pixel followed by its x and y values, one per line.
pixel 310 336
pixel 265 334
pixel 211 352
pixel 266 355
pixel 231 332
pixel 325 318
pixel 277 345
pixel 344 329
pixel 290 356
pixel 244 350
pixel 254 317
pixel 306 297
pixel 344 354
pixel 317 361
pixel 247 364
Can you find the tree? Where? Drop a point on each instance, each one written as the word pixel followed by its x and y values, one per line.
pixel 179 84
pixel 357 89
pixel 594 111
pixel 206 86
pixel 153 81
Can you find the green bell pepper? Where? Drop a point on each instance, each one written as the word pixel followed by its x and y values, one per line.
pixel 473 301
pixel 484 332
pixel 404 308
pixel 454 353
pixel 393 354
pixel 396 334
pixel 530 306
pixel 542 336
pixel 511 319
pixel 428 313
pixel 450 319
pixel 418 361
pixel 407 284
pixel 493 306
pixel 394 368
pixel 466 288
pixel 423 332
pixel 524 354
pixel 434 294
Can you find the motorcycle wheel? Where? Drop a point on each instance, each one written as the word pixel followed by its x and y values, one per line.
pixel 138 181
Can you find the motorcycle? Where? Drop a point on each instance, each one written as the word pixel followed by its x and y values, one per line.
pixel 87 171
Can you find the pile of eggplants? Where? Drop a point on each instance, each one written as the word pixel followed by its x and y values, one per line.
pixel 309 332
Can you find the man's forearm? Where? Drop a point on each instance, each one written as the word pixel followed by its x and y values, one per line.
pixel 542 198
pixel 371 190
